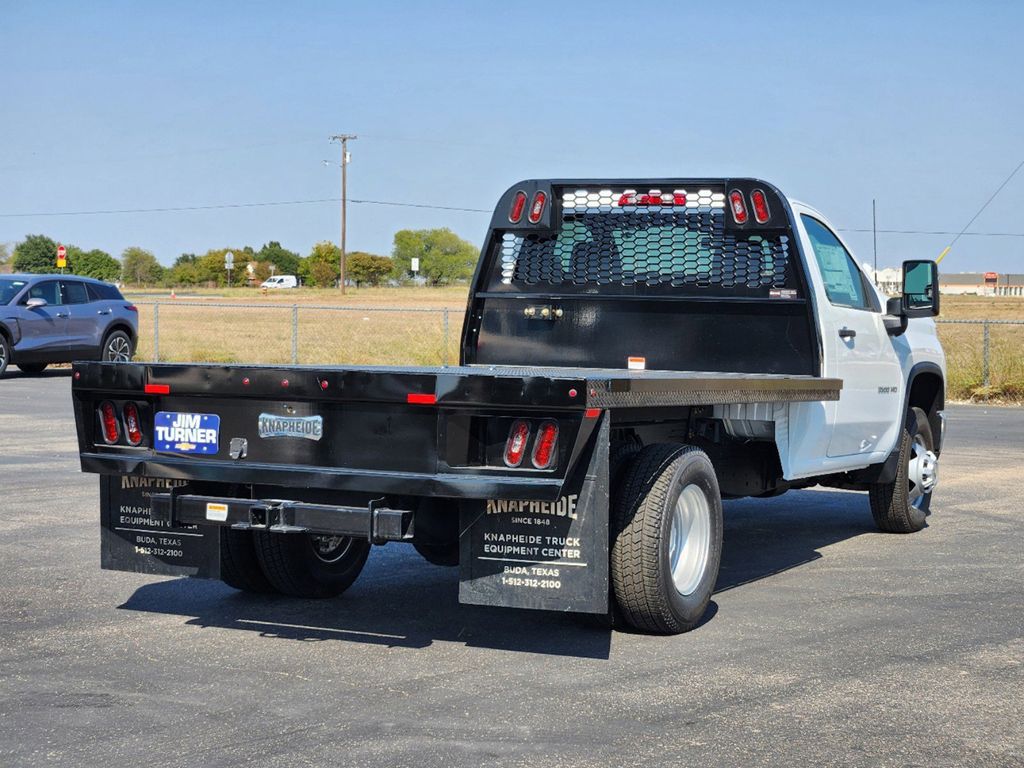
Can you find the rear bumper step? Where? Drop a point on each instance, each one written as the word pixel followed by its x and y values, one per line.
pixel 378 524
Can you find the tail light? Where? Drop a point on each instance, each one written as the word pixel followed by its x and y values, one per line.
pixel 544 445
pixel 540 199
pixel 132 423
pixel 760 204
pixel 518 206
pixel 515 446
pixel 108 422
pixel 738 207
pixel 131 307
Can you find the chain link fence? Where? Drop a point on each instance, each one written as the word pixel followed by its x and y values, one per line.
pixel 212 332
pixel 986 357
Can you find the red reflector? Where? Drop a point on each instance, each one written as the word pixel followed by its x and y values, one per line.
pixel 540 199
pixel 760 203
pixel 132 423
pixel 131 307
pixel 158 389
pixel 518 206
pixel 515 446
pixel 592 413
pixel 544 445
pixel 738 207
pixel 653 198
pixel 421 399
pixel 108 418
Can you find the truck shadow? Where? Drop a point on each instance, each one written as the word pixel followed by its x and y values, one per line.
pixel 402 601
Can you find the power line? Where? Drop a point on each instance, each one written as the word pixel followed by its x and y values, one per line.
pixel 223 206
pixel 967 226
pixel 429 206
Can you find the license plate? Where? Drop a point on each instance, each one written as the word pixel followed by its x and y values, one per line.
pixel 179 432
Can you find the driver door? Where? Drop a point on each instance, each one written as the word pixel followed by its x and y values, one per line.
pixel 43 329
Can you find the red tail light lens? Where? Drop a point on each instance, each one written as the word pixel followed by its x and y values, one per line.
pixel 540 199
pixel 108 421
pixel 760 204
pixel 515 446
pixel 518 206
pixel 131 307
pixel 132 423
pixel 544 445
pixel 738 206
pixel 653 198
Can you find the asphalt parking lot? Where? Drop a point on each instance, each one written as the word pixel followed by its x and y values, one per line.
pixel 827 643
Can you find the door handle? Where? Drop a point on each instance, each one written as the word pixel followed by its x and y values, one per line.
pixel 62 314
pixel 847 333
pixel 103 312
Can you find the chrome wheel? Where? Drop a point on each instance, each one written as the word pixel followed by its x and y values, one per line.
pixel 119 349
pixel 922 472
pixel 331 549
pixel 689 539
pixel 3 357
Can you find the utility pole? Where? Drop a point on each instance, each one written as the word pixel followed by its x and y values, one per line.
pixel 343 139
pixel 874 238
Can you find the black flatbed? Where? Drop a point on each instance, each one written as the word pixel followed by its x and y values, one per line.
pixel 464 384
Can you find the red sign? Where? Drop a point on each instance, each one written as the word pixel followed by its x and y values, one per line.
pixel 62 252
pixel 991 277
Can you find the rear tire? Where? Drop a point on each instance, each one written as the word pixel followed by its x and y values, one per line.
pixel 117 348
pixel 239 565
pixel 667 525
pixel 902 505
pixel 439 554
pixel 32 367
pixel 303 565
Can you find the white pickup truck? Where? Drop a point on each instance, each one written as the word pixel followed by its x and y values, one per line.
pixel 632 352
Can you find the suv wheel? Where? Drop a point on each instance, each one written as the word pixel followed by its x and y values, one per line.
pixel 5 354
pixel 117 348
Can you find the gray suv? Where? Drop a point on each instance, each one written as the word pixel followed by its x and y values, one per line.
pixel 59 318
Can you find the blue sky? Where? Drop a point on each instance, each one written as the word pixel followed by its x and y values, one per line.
pixel 134 105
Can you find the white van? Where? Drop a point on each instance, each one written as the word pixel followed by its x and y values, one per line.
pixel 280 281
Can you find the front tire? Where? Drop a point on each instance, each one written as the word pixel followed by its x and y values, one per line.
pixel 5 354
pixel 304 565
pixel 117 348
pixel 667 545
pixel 902 505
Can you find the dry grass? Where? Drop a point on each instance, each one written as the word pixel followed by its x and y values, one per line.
pixel 376 328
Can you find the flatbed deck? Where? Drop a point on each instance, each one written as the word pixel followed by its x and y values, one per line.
pixel 465 384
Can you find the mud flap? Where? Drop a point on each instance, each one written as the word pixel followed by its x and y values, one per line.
pixel 132 540
pixel 544 555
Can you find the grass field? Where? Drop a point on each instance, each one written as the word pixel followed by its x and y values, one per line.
pixel 379 325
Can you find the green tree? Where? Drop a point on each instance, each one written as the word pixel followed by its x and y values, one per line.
pixel 209 268
pixel 320 268
pixel 140 266
pixel 5 258
pixel 366 268
pixel 95 263
pixel 285 262
pixel 444 256
pixel 36 253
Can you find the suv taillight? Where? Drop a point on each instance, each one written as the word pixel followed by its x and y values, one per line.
pixel 108 422
pixel 132 423
pixel 544 445
pixel 515 446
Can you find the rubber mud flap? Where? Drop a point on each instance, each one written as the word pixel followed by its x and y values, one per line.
pixel 543 555
pixel 131 539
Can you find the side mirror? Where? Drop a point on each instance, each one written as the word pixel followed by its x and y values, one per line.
pixel 35 303
pixel 920 289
